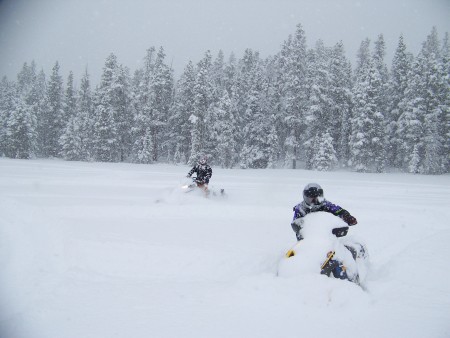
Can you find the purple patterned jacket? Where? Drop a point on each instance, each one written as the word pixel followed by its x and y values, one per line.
pixel 302 209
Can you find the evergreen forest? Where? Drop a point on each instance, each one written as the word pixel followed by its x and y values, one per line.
pixel 303 107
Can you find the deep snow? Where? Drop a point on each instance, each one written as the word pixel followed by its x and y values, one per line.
pixel 117 250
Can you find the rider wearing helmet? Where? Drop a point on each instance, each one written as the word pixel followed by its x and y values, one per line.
pixel 314 201
pixel 203 171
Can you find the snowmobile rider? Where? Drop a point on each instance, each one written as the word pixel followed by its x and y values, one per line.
pixel 203 171
pixel 314 201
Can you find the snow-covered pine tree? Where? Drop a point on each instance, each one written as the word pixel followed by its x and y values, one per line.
pixel 20 130
pixel 5 102
pixel 294 69
pixel 85 113
pixel 378 141
pixel 410 126
pixel 196 142
pixel 342 98
pixel 161 99
pixel 212 118
pixel 445 123
pixel 255 150
pixel 54 117
pixel 230 74
pixel 363 59
pixel 179 136
pixel 31 94
pixel 225 131
pixel 275 112
pixel 291 146
pixel 401 67
pixel 144 146
pixel 319 115
pixel 212 132
pixel 70 101
pixel 367 142
pixel 123 115
pixel 311 148
pixel 273 148
pixel 202 92
pixel 434 98
pixel 364 108
pixel 218 79
pixel 277 93
pixel 70 140
pixel 25 81
pixel 137 128
pixel 288 141
pixel 9 99
pixel 106 138
pixel 152 100
pixel 420 123
pixel 324 156
pixel 380 84
pixel 379 54
pixel 141 108
pixel 40 108
pixel 414 162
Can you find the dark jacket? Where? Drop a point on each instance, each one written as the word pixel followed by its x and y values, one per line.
pixel 204 173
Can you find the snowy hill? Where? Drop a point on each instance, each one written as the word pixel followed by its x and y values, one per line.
pixel 117 250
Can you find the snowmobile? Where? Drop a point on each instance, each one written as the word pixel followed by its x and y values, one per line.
pixel 326 248
pixel 193 185
pixel 190 186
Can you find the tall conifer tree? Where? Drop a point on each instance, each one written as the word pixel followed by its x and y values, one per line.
pixel 54 117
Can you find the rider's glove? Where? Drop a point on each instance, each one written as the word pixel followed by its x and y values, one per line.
pixel 297 224
pixel 350 220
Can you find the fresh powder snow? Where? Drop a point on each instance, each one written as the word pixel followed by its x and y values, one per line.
pixel 100 250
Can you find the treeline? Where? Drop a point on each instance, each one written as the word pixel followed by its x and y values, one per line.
pixel 303 107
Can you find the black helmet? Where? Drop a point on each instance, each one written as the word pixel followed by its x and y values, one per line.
pixel 313 194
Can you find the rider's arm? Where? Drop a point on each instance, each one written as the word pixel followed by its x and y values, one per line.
pixel 299 211
pixel 192 171
pixel 297 221
pixel 208 174
pixel 336 210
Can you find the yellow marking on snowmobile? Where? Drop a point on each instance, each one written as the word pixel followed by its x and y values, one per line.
pixel 290 253
pixel 329 257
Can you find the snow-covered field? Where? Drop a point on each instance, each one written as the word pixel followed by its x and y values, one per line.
pixel 117 250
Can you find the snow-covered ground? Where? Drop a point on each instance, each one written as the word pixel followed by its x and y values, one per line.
pixel 116 250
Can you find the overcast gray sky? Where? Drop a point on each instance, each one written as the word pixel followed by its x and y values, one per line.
pixel 80 33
